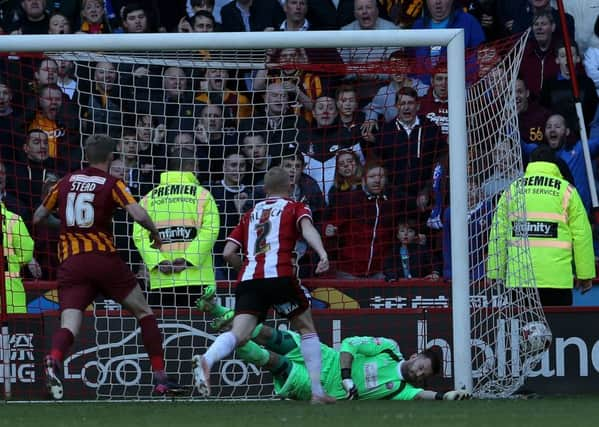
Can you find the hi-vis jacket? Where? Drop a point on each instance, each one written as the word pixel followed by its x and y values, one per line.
pixel 18 250
pixel 557 227
pixel 187 219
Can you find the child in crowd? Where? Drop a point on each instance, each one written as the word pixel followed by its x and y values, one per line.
pixel 410 256
pixel 93 17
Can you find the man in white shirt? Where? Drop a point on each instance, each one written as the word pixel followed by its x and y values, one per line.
pixel 295 15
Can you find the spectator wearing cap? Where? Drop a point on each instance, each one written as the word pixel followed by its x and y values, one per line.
pixel 361 225
pixel 434 106
pixel 322 140
pixel 251 15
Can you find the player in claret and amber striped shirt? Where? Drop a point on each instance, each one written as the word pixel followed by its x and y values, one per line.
pixel 267 236
pixel 89 265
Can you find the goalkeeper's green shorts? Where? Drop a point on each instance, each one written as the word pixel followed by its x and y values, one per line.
pixel 297 386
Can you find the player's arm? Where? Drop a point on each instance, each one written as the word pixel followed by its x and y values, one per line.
pixel 48 205
pixel 40 214
pixel 231 254
pixel 345 361
pixel 140 216
pixel 369 346
pixel 312 237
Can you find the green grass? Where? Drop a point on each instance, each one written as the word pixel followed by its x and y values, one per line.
pixel 563 412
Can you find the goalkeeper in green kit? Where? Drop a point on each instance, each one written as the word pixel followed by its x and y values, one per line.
pixel 365 368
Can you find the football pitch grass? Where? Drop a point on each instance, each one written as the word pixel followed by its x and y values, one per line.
pixel 554 411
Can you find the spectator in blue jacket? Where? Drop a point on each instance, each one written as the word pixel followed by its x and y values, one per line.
pixel 556 136
pixel 447 14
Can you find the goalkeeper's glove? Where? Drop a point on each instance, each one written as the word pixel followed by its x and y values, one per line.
pixel 350 388
pixel 348 384
pixel 457 395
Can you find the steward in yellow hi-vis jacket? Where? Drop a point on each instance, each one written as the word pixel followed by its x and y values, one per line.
pixel 17 247
pixel 187 218
pixel 558 230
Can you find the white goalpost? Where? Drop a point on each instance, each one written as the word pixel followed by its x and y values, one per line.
pixel 475 126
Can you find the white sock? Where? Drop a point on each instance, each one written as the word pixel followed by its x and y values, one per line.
pixel 222 346
pixel 310 347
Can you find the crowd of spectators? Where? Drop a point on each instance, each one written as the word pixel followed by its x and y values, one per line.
pixel 361 147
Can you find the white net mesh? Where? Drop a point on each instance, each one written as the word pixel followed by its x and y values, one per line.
pixel 501 352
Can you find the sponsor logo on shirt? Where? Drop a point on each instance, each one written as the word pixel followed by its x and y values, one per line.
pixel 177 234
pixel 541 229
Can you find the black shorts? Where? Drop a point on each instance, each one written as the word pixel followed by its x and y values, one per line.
pixel 284 294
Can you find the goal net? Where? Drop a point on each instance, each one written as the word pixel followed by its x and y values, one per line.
pixel 365 135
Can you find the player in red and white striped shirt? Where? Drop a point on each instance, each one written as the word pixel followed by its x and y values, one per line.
pixel 267 235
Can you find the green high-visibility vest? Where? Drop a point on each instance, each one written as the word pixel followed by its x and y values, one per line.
pixel 187 218
pixel 18 250
pixel 557 226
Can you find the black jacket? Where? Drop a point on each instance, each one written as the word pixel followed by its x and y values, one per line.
pixel 322 14
pixel 263 14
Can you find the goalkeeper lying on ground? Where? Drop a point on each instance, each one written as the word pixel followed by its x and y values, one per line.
pixel 364 368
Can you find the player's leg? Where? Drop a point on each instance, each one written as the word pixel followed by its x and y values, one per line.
pixel 310 347
pixel 208 303
pixel 279 341
pixel 250 308
pixel 223 345
pixel 291 379
pixel 62 340
pixel 292 302
pixel 151 337
pixel 75 293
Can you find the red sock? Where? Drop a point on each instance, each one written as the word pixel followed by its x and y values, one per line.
pixel 61 342
pixel 152 339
